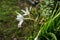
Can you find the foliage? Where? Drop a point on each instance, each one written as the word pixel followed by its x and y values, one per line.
pixel 45 19
pixel 47 31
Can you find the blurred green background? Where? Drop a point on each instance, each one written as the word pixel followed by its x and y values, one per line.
pixel 9 25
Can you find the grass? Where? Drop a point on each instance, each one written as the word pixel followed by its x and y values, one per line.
pixel 46 31
pixel 46 24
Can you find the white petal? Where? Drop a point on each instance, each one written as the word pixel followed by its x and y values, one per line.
pixel 26 12
pixel 19 17
pixel 23 11
pixel 20 23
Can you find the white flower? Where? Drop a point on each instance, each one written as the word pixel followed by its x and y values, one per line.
pixel 26 12
pixel 20 23
pixel 21 18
